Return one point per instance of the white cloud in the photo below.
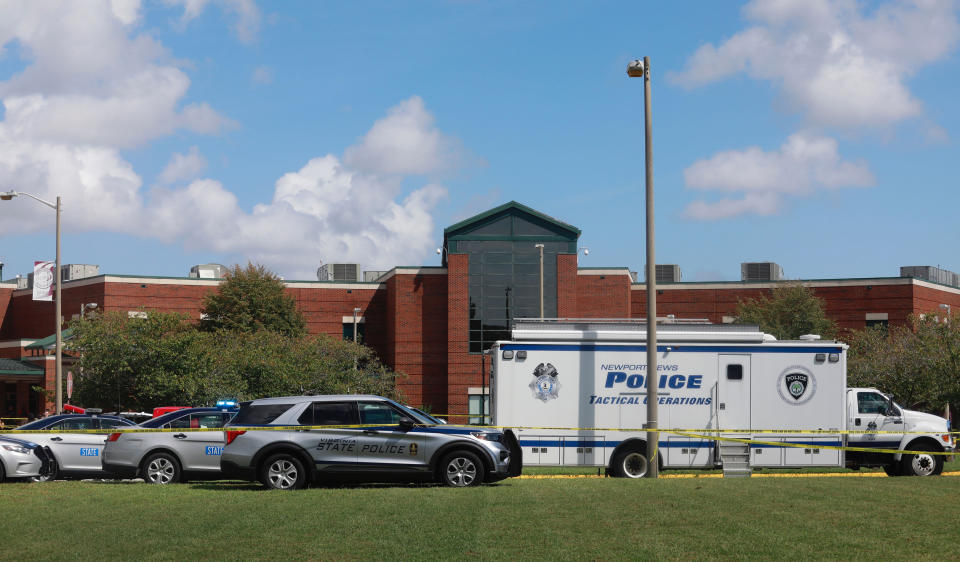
(834, 64)
(245, 12)
(404, 142)
(802, 165)
(262, 75)
(184, 167)
(91, 80)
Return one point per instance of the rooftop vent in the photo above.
(372, 276)
(208, 271)
(760, 271)
(78, 271)
(340, 272)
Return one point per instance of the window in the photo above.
(260, 415)
(329, 413)
(379, 412)
(74, 423)
(871, 403)
(734, 372)
(348, 330)
(479, 408)
(106, 423)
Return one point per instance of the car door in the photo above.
(332, 448)
(389, 447)
(199, 450)
(874, 412)
(78, 452)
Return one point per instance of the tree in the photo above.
(918, 363)
(791, 311)
(164, 360)
(252, 299)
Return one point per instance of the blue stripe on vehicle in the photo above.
(672, 348)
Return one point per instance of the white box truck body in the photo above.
(576, 392)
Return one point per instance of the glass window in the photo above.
(379, 412)
(259, 415)
(329, 413)
(74, 423)
(479, 408)
(108, 423)
(183, 422)
(871, 403)
(734, 372)
(348, 331)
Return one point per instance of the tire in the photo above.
(2, 474)
(461, 469)
(921, 464)
(630, 463)
(892, 469)
(52, 473)
(283, 471)
(161, 468)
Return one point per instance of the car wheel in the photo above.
(630, 463)
(921, 464)
(160, 468)
(461, 469)
(53, 472)
(283, 471)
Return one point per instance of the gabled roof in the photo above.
(513, 208)
(50, 341)
(15, 367)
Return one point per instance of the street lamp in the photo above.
(85, 307)
(641, 69)
(356, 311)
(6, 196)
(540, 247)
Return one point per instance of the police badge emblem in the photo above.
(796, 385)
(545, 385)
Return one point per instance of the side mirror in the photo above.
(406, 424)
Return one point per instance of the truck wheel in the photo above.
(922, 464)
(630, 463)
(283, 471)
(460, 469)
(160, 468)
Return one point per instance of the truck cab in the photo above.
(882, 429)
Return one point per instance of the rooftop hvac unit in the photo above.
(340, 272)
(208, 271)
(760, 271)
(78, 271)
(372, 276)
(668, 273)
(930, 273)
(24, 282)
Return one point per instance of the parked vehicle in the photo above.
(168, 457)
(585, 375)
(395, 444)
(22, 459)
(75, 455)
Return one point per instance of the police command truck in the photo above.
(787, 399)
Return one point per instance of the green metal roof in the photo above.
(50, 341)
(14, 367)
(511, 208)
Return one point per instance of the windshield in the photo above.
(417, 417)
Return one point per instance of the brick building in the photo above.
(432, 323)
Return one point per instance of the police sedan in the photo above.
(75, 455)
(21, 459)
(185, 451)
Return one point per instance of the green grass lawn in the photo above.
(758, 518)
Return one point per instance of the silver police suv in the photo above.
(394, 443)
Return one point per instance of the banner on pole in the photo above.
(43, 279)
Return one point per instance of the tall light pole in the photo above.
(638, 69)
(540, 247)
(6, 196)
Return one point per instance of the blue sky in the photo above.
(820, 135)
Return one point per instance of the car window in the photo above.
(260, 414)
(108, 423)
(379, 412)
(329, 413)
(213, 420)
(871, 402)
(73, 423)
